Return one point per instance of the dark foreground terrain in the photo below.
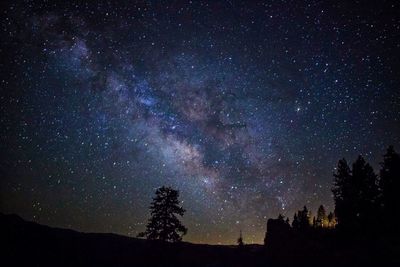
(29, 244)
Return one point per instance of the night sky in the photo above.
(244, 107)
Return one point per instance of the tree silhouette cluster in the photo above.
(280, 230)
(362, 198)
(366, 205)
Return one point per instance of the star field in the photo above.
(243, 107)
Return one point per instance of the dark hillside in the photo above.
(30, 244)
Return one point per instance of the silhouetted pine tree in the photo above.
(343, 194)
(295, 222)
(389, 185)
(163, 224)
(240, 240)
(322, 219)
(304, 218)
(365, 181)
(331, 220)
(301, 220)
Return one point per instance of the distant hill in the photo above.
(30, 244)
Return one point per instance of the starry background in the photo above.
(243, 107)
